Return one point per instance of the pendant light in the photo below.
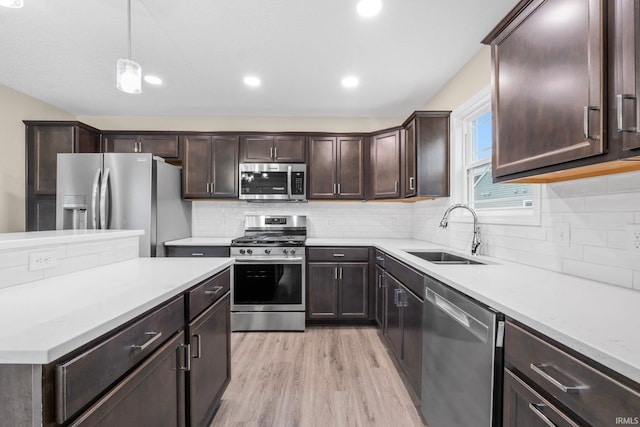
(12, 3)
(128, 71)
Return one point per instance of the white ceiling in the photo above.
(64, 52)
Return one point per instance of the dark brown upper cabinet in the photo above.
(210, 166)
(556, 80)
(385, 165)
(428, 131)
(44, 140)
(158, 143)
(336, 167)
(272, 148)
(627, 81)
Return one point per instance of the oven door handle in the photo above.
(261, 260)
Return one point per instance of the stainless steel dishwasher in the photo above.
(462, 360)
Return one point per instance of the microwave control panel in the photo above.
(297, 183)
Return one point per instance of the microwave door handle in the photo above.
(289, 181)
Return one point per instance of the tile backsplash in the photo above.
(70, 257)
(598, 214)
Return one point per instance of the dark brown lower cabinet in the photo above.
(404, 328)
(338, 290)
(152, 395)
(523, 406)
(210, 361)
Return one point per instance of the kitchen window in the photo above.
(471, 157)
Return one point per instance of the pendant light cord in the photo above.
(129, 24)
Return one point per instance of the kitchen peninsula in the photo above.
(83, 299)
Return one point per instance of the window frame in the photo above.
(461, 164)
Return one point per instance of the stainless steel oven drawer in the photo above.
(208, 292)
(338, 254)
(588, 392)
(80, 380)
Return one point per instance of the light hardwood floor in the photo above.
(322, 377)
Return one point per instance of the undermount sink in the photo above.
(439, 257)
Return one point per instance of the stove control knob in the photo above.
(267, 251)
(242, 251)
(285, 251)
(292, 251)
(249, 251)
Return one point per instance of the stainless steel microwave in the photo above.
(273, 181)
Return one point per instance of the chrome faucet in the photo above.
(476, 242)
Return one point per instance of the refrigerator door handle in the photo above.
(94, 197)
(104, 223)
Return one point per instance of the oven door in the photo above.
(265, 284)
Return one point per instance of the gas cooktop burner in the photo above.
(269, 241)
(271, 230)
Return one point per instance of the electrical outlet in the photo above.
(41, 260)
(633, 233)
(561, 234)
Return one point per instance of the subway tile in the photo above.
(611, 257)
(636, 280)
(569, 204)
(595, 185)
(78, 249)
(19, 274)
(620, 202)
(611, 275)
(70, 265)
(573, 251)
(589, 236)
(13, 258)
(617, 239)
(623, 182)
(546, 261)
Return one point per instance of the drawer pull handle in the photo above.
(338, 255)
(379, 258)
(538, 369)
(155, 336)
(216, 290)
(198, 347)
(536, 409)
(186, 351)
(197, 254)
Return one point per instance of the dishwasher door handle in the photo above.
(477, 328)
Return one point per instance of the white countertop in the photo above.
(598, 320)
(43, 320)
(200, 241)
(54, 237)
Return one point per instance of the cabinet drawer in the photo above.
(380, 258)
(208, 292)
(338, 254)
(81, 379)
(198, 251)
(591, 394)
(523, 406)
(406, 275)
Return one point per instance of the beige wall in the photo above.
(474, 76)
(14, 108)
(219, 124)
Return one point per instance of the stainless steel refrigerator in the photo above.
(122, 191)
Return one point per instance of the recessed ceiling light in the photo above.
(12, 3)
(252, 81)
(369, 8)
(350, 81)
(154, 80)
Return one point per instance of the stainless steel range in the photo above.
(268, 291)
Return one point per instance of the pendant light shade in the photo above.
(128, 71)
(12, 3)
(129, 76)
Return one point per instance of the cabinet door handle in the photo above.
(207, 190)
(135, 147)
(412, 183)
(587, 121)
(538, 369)
(396, 292)
(271, 152)
(155, 336)
(198, 346)
(341, 271)
(275, 153)
(619, 104)
(339, 191)
(335, 273)
(395, 187)
(186, 354)
(383, 283)
(214, 291)
(535, 408)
